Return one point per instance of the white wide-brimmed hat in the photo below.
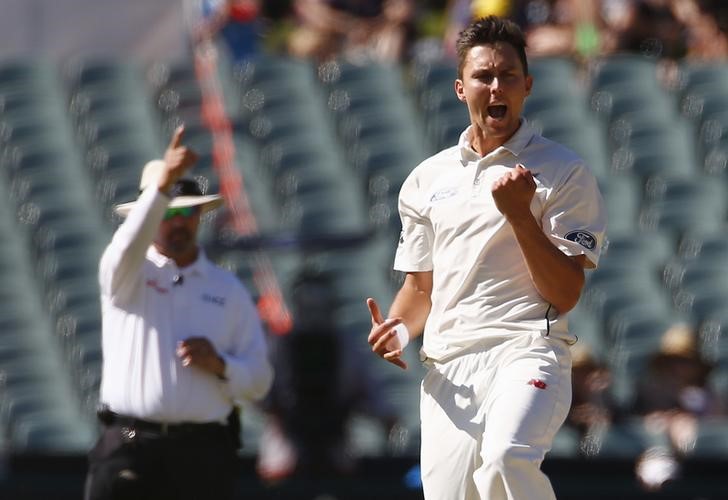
(185, 192)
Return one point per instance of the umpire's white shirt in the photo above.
(451, 226)
(145, 315)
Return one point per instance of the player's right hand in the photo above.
(382, 333)
(178, 158)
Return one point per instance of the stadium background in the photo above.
(90, 90)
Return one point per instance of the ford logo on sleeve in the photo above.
(583, 238)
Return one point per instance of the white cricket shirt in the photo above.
(451, 226)
(145, 314)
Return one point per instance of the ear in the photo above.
(529, 84)
(459, 90)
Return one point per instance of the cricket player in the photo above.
(496, 234)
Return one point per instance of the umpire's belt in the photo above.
(160, 428)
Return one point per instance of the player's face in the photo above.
(494, 86)
(177, 235)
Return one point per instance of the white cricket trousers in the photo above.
(489, 417)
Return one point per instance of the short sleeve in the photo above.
(574, 217)
(414, 250)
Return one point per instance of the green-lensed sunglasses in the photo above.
(183, 211)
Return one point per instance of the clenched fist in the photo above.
(513, 192)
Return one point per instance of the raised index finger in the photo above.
(177, 137)
(374, 311)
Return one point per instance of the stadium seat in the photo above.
(624, 68)
(622, 199)
(713, 343)
(113, 72)
(692, 74)
(546, 69)
(585, 138)
(715, 159)
(702, 302)
(712, 439)
(704, 100)
(41, 433)
(677, 203)
(695, 273)
(699, 245)
(587, 329)
(649, 156)
(610, 103)
(627, 440)
(437, 74)
(269, 69)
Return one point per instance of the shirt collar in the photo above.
(515, 145)
(199, 267)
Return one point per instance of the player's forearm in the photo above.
(557, 277)
(413, 302)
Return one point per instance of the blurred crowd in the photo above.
(399, 30)
(674, 401)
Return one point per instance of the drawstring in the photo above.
(548, 321)
(548, 327)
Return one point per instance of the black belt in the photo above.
(109, 417)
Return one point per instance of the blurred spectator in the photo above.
(592, 408)
(236, 22)
(377, 30)
(562, 27)
(663, 29)
(706, 25)
(647, 27)
(460, 13)
(673, 397)
(552, 27)
(320, 384)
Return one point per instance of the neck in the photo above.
(182, 258)
(483, 144)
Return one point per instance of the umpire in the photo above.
(181, 344)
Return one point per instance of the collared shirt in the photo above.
(451, 226)
(147, 310)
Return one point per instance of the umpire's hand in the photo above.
(199, 352)
(178, 158)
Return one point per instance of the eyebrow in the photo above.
(496, 69)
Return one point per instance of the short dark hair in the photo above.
(487, 31)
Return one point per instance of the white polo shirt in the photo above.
(145, 314)
(451, 226)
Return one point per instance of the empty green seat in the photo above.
(624, 68)
(712, 439)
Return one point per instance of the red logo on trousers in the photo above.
(537, 383)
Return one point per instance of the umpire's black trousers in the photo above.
(141, 460)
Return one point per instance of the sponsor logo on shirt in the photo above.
(152, 283)
(583, 238)
(443, 194)
(213, 299)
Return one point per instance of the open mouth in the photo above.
(497, 111)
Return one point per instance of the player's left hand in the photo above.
(199, 352)
(382, 335)
(513, 192)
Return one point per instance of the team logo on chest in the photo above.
(443, 194)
